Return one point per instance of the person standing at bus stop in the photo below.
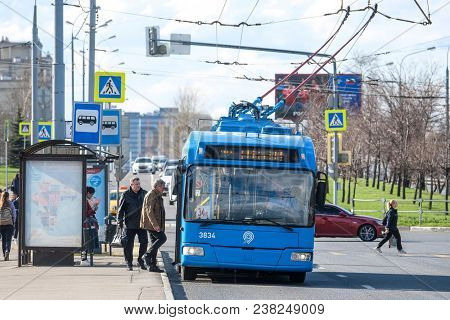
(130, 207)
(153, 219)
(391, 227)
(6, 224)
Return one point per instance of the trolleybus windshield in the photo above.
(250, 195)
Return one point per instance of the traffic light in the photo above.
(154, 47)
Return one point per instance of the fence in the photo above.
(382, 205)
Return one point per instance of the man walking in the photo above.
(130, 207)
(153, 219)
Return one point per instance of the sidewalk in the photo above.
(108, 279)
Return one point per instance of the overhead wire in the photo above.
(217, 41)
(408, 29)
(243, 23)
(362, 29)
(424, 14)
(354, 42)
(311, 56)
(242, 29)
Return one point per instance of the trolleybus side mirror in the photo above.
(321, 189)
(176, 179)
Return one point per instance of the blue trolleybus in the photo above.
(246, 193)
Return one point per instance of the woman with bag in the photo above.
(391, 227)
(90, 228)
(6, 224)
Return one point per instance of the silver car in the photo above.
(143, 164)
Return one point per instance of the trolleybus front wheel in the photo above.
(298, 277)
(188, 273)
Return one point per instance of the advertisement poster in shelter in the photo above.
(54, 199)
(96, 178)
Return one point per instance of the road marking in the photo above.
(442, 255)
(337, 253)
(316, 266)
(367, 287)
(341, 276)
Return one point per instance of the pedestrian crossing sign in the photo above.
(336, 120)
(45, 131)
(109, 87)
(25, 129)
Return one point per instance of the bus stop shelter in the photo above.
(53, 200)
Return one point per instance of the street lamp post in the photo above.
(447, 146)
(400, 101)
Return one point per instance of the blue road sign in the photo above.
(111, 127)
(109, 87)
(86, 120)
(44, 131)
(336, 120)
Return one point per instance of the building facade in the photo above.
(15, 84)
(149, 132)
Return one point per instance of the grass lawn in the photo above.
(430, 218)
(11, 174)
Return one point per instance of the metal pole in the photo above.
(335, 139)
(35, 112)
(92, 13)
(24, 142)
(73, 75)
(118, 173)
(58, 117)
(84, 68)
(446, 136)
(230, 46)
(6, 152)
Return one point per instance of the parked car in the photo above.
(334, 221)
(159, 162)
(167, 177)
(143, 164)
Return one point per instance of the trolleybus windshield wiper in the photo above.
(265, 219)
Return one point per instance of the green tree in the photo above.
(16, 140)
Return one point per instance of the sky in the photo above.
(300, 25)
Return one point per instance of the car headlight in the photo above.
(193, 251)
(300, 256)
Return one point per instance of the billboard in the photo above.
(96, 178)
(349, 90)
(53, 209)
(316, 90)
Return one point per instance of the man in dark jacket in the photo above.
(391, 227)
(130, 206)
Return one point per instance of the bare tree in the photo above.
(186, 120)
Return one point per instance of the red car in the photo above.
(334, 221)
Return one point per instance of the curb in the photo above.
(433, 229)
(165, 280)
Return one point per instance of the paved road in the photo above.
(344, 269)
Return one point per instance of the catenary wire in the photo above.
(242, 29)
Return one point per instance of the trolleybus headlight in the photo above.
(300, 256)
(193, 251)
